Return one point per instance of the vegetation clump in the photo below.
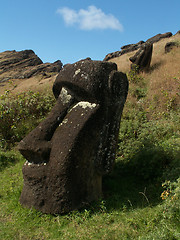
(21, 113)
(141, 196)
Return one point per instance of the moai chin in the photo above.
(70, 151)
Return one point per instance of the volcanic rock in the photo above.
(132, 47)
(158, 37)
(142, 59)
(170, 45)
(125, 49)
(68, 152)
(25, 64)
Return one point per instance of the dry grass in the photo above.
(22, 85)
(123, 62)
(163, 79)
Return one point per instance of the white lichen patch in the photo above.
(27, 163)
(76, 72)
(85, 105)
(63, 122)
(64, 96)
(83, 76)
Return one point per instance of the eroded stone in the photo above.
(142, 59)
(70, 151)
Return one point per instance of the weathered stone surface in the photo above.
(124, 49)
(24, 64)
(112, 55)
(68, 152)
(170, 45)
(12, 59)
(142, 59)
(158, 37)
(132, 47)
(43, 69)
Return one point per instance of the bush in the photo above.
(149, 149)
(171, 197)
(8, 158)
(20, 113)
(133, 75)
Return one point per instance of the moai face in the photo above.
(68, 152)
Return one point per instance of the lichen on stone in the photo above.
(63, 122)
(85, 105)
(76, 72)
(64, 96)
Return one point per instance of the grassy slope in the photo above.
(163, 81)
(21, 85)
(148, 155)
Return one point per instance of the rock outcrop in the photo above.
(25, 64)
(68, 153)
(158, 37)
(132, 47)
(142, 59)
(124, 49)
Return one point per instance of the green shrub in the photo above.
(139, 93)
(8, 158)
(134, 76)
(20, 113)
(150, 149)
(171, 197)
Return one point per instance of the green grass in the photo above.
(141, 196)
(130, 209)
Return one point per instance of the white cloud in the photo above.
(92, 18)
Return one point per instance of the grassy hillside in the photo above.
(142, 196)
(161, 84)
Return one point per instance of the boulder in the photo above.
(132, 47)
(112, 55)
(170, 45)
(158, 37)
(142, 59)
(44, 69)
(70, 151)
(124, 49)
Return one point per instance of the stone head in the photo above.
(70, 151)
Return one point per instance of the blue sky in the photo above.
(71, 30)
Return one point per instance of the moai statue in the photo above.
(70, 151)
(142, 59)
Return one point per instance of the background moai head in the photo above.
(142, 59)
(68, 152)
